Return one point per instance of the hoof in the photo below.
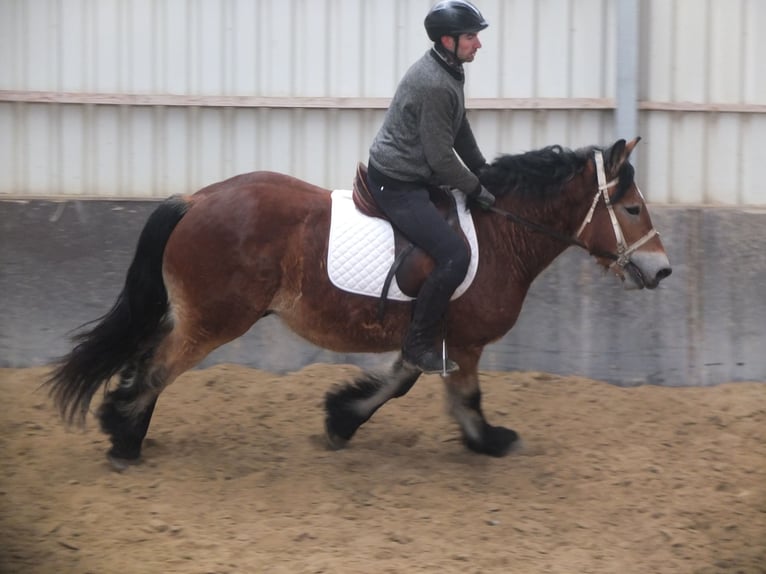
(334, 441)
(341, 422)
(121, 457)
(496, 441)
(338, 431)
(119, 464)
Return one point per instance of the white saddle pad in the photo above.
(361, 249)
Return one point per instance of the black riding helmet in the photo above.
(452, 18)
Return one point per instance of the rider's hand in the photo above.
(482, 197)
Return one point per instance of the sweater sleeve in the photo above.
(467, 148)
(438, 142)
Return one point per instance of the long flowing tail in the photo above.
(128, 330)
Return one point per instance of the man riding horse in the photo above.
(423, 133)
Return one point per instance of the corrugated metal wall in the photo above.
(704, 95)
(144, 98)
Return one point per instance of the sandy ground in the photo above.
(236, 479)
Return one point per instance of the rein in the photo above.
(622, 257)
(568, 239)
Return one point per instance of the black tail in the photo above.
(128, 330)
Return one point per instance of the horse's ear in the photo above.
(618, 154)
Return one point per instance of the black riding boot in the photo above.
(419, 348)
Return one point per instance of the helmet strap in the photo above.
(453, 53)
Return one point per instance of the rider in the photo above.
(424, 132)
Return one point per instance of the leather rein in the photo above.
(622, 257)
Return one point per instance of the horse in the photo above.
(209, 265)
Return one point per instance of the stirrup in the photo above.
(427, 366)
(448, 365)
(430, 363)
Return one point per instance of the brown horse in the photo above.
(209, 265)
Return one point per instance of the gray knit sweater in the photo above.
(425, 126)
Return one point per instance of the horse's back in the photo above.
(259, 202)
(261, 182)
(247, 227)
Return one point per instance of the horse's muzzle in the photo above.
(646, 270)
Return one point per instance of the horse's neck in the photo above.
(532, 251)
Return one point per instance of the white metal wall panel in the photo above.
(727, 53)
(239, 47)
(690, 72)
(753, 162)
(722, 169)
(155, 151)
(711, 55)
(592, 49)
(754, 62)
(513, 131)
(552, 48)
(547, 48)
(658, 33)
(195, 52)
(518, 22)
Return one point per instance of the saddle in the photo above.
(411, 264)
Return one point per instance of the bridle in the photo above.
(623, 249)
(622, 257)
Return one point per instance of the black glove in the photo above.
(483, 198)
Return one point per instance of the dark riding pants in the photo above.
(410, 210)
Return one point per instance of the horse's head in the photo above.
(618, 222)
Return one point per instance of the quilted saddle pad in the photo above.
(361, 249)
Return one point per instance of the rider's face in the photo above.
(467, 46)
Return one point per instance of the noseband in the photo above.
(622, 257)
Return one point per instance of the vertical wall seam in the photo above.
(740, 184)
(626, 114)
(536, 53)
(570, 66)
(707, 192)
(673, 116)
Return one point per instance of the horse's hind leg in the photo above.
(349, 406)
(126, 411)
(120, 418)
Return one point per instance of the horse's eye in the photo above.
(633, 209)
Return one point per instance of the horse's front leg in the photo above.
(464, 398)
(351, 405)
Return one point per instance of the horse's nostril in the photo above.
(662, 273)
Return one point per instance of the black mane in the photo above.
(541, 174)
